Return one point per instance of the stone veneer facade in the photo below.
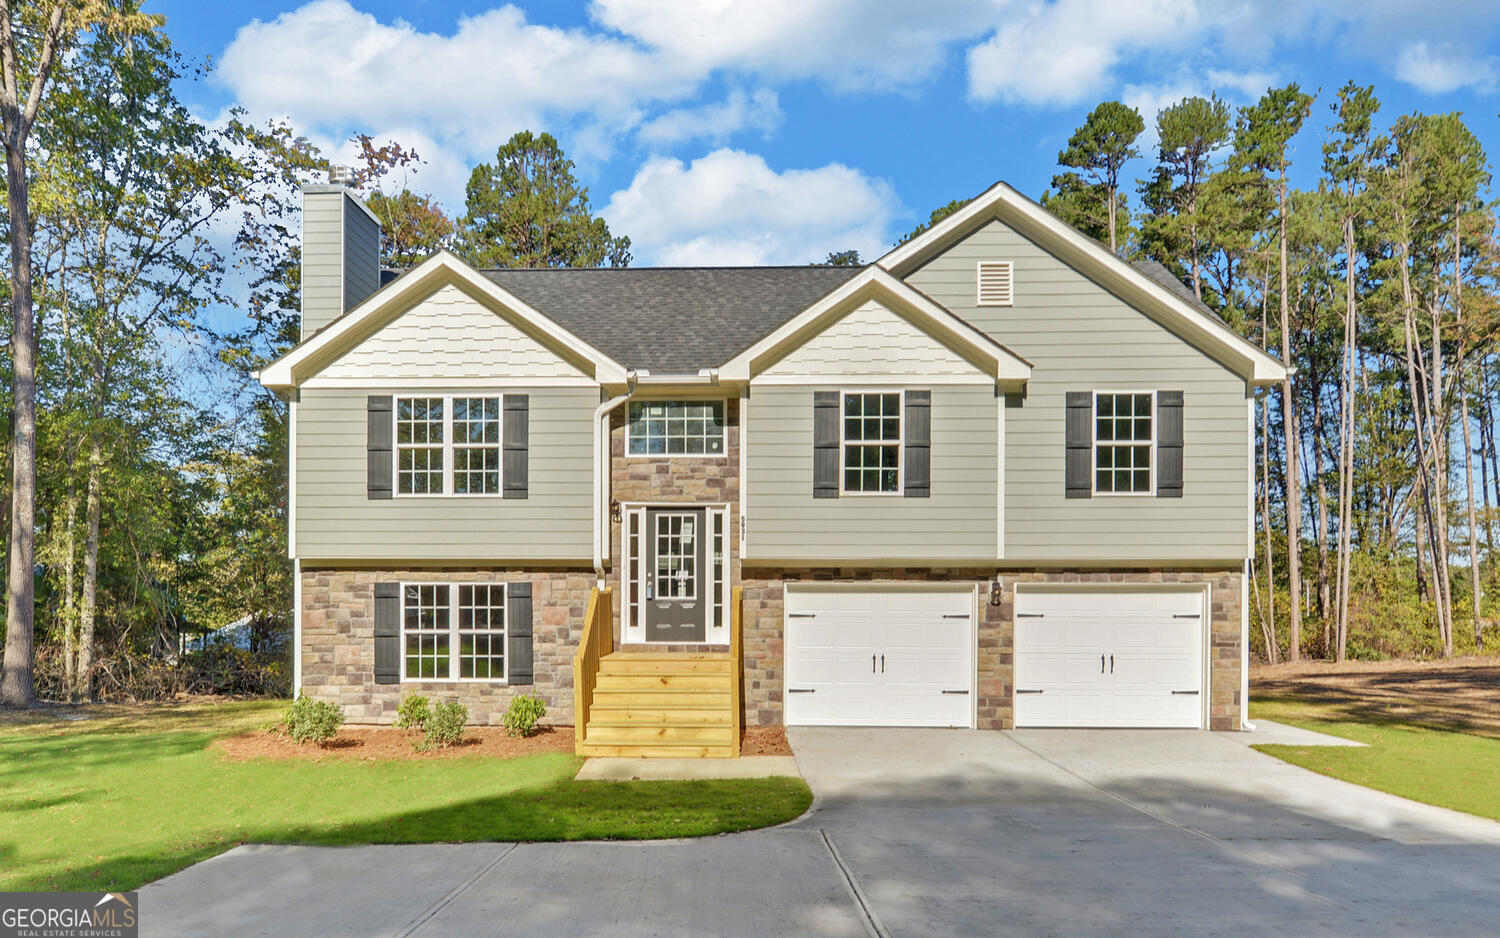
(338, 611)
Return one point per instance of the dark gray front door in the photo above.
(676, 552)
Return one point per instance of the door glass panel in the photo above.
(676, 557)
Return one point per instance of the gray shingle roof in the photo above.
(1158, 272)
(671, 320)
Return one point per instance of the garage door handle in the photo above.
(955, 615)
(1101, 664)
(1184, 693)
(1029, 615)
(801, 615)
(964, 692)
(1187, 615)
(1021, 690)
(801, 690)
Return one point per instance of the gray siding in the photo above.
(1078, 336)
(958, 521)
(335, 521)
(322, 256)
(361, 254)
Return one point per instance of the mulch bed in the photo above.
(764, 741)
(386, 743)
(1459, 693)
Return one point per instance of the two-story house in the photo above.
(999, 477)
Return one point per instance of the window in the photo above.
(454, 631)
(1123, 437)
(676, 428)
(447, 445)
(872, 443)
(996, 286)
(676, 556)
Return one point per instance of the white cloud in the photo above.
(1246, 85)
(729, 207)
(1061, 53)
(759, 111)
(1440, 68)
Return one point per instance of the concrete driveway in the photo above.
(921, 832)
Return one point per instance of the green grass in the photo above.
(1441, 767)
(115, 802)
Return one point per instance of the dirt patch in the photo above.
(1458, 694)
(764, 741)
(386, 743)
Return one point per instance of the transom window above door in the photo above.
(1123, 438)
(676, 428)
(872, 443)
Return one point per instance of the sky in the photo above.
(777, 131)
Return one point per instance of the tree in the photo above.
(1263, 140)
(33, 39)
(1081, 205)
(1100, 149)
(849, 258)
(938, 214)
(1190, 133)
(412, 227)
(527, 210)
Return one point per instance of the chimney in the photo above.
(340, 251)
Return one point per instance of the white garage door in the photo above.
(879, 658)
(1109, 658)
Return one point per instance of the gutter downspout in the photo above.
(601, 474)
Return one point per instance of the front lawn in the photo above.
(132, 794)
(1440, 756)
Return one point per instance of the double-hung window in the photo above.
(447, 445)
(676, 428)
(453, 631)
(872, 443)
(1124, 435)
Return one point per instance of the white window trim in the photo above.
(1094, 447)
(448, 447)
(454, 634)
(633, 615)
(900, 442)
(723, 403)
(979, 299)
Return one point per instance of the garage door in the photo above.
(879, 658)
(1109, 658)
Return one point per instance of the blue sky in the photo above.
(778, 130)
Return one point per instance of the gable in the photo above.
(872, 340)
(449, 334)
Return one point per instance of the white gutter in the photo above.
(1245, 723)
(601, 473)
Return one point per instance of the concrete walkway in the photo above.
(625, 770)
(921, 832)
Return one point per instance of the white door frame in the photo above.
(1205, 638)
(892, 586)
(632, 615)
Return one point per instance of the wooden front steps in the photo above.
(663, 705)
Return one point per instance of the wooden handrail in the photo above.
(596, 642)
(737, 661)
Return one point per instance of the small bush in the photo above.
(444, 726)
(413, 712)
(524, 712)
(312, 721)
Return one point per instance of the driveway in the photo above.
(921, 832)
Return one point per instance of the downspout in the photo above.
(601, 473)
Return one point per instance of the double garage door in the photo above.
(905, 657)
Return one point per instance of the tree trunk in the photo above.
(1346, 449)
(1273, 651)
(1289, 430)
(70, 605)
(1437, 430)
(1476, 595)
(1109, 191)
(90, 564)
(1320, 489)
(17, 686)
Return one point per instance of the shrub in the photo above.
(413, 712)
(524, 712)
(444, 725)
(312, 721)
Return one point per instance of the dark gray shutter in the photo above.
(387, 632)
(825, 444)
(918, 447)
(517, 432)
(380, 428)
(1169, 444)
(1080, 436)
(518, 632)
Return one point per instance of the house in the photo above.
(997, 478)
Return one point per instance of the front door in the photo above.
(676, 552)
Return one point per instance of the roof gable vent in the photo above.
(996, 283)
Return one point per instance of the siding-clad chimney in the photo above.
(340, 254)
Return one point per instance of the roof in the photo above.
(1158, 271)
(671, 320)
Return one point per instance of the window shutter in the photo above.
(1169, 444)
(825, 444)
(996, 283)
(518, 632)
(918, 432)
(380, 429)
(1080, 444)
(387, 632)
(517, 433)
